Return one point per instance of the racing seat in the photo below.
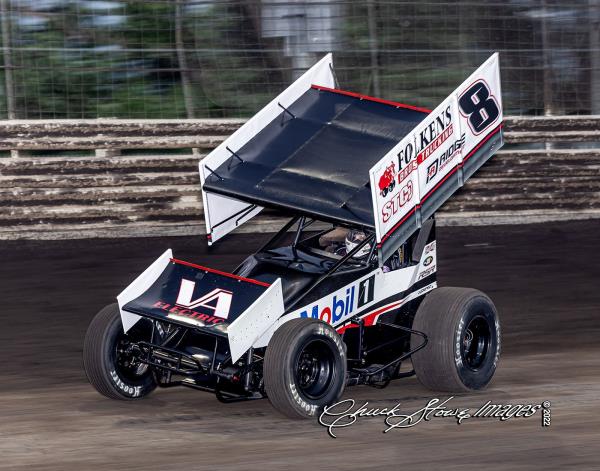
(296, 268)
(292, 283)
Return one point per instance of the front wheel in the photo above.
(463, 345)
(108, 361)
(304, 368)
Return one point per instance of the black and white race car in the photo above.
(346, 292)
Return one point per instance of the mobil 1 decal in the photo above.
(366, 291)
(441, 142)
(341, 305)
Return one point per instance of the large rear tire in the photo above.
(463, 348)
(108, 366)
(304, 368)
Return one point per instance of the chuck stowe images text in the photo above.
(346, 413)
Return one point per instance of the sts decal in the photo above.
(397, 201)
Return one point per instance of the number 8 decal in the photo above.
(479, 106)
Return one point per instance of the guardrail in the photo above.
(552, 174)
(57, 134)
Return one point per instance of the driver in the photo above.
(333, 241)
(354, 238)
(342, 241)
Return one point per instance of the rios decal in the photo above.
(440, 163)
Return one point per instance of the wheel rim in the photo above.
(315, 368)
(475, 342)
(125, 362)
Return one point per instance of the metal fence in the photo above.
(187, 58)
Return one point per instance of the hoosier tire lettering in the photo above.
(133, 391)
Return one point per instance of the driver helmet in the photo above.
(353, 238)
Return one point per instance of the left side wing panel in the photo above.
(223, 214)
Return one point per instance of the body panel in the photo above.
(139, 286)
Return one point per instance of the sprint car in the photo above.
(345, 293)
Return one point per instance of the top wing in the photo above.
(315, 159)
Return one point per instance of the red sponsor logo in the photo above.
(406, 171)
(437, 142)
(386, 181)
(397, 201)
(186, 312)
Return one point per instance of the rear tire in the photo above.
(304, 368)
(463, 348)
(105, 367)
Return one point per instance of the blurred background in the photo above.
(86, 204)
(219, 59)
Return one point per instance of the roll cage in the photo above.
(302, 256)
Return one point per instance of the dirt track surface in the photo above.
(543, 279)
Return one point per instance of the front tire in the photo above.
(463, 347)
(304, 368)
(109, 368)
